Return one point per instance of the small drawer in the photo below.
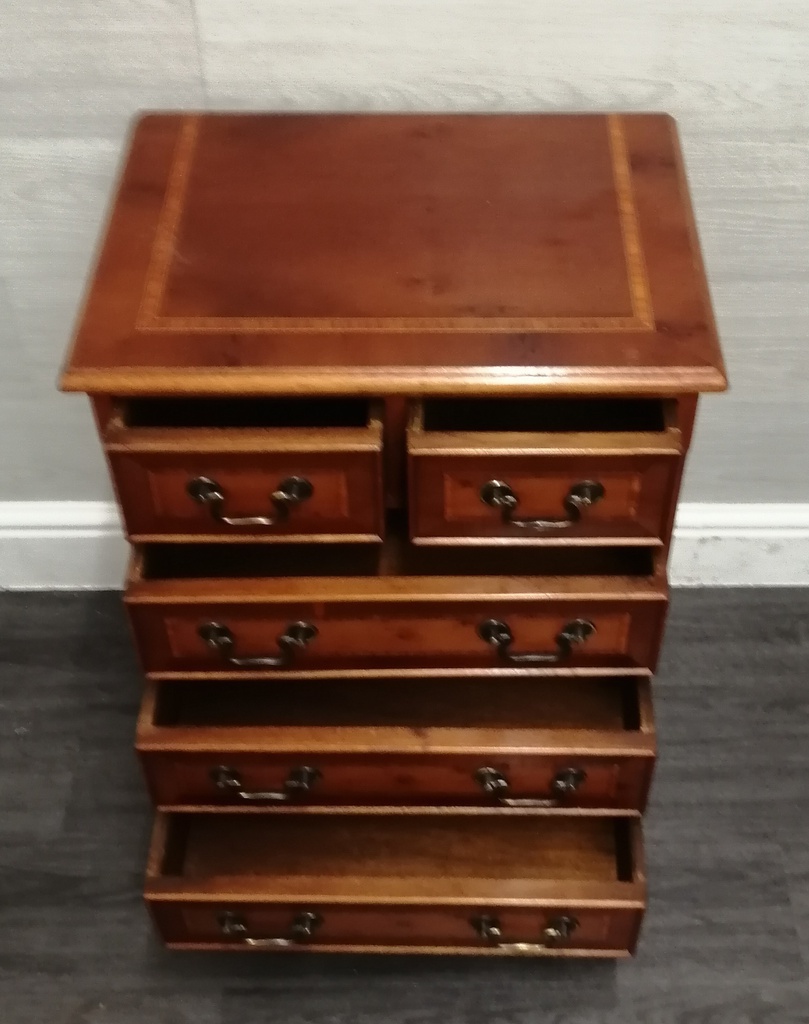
(346, 610)
(257, 469)
(588, 744)
(542, 471)
(496, 883)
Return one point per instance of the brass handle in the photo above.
(496, 784)
(498, 494)
(294, 638)
(300, 780)
(302, 928)
(558, 929)
(289, 492)
(499, 635)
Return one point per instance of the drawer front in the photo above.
(234, 778)
(257, 496)
(541, 498)
(487, 930)
(331, 637)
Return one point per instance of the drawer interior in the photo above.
(393, 558)
(545, 415)
(244, 412)
(398, 848)
(608, 704)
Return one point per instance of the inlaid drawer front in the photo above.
(542, 470)
(248, 477)
(237, 625)
(530, 744)
(500, 884)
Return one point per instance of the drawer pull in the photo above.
(302, 928)
(498, 494)
(496, 784)
(499, 635)
(300, 780)
(294, 638)
(558, 929)
(291, 491)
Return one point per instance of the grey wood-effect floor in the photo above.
(726, 937)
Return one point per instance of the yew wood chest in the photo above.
(396, 410)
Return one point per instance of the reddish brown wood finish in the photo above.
(152, 467)
(399, 254)
(287, 295)
(385, 753)
(399, 881)
(395, 623)
(448, 470)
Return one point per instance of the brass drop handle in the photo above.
(294, 639)
(301, 929)
(496, 784)
(291, 491)
(498, 494)
(558, 929)
(299, 781)
(499, 635)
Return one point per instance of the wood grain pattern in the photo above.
(453, 311)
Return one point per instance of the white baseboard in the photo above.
(78, 545)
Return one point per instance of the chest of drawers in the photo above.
(396, 410)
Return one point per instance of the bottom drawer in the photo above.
(498, 883)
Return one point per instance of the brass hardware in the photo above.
(300, 780)
(558, 929)
(302, 929)
(496, 784)
(294, 638)
(499, 635)
(498, 494)
(291, 491)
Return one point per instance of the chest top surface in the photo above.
(264, 254)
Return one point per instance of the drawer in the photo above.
(266, 470)
(542, 471)
(587, 744)
(500, 883)
(228, 612)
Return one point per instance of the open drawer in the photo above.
(585, 744)
(394, 609)
(494, 883)
(542, 470)
(244, 468)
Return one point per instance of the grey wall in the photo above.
(734, 72)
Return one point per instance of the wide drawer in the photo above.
(542, 471)
(500, 884)
(264, 470)
(393, 609)
(585, 744)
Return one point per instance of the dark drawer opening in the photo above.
(545, 415)
(245, 412)
(608, 704)
(251, 561)
(403, 847)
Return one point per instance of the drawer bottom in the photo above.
(503, 884)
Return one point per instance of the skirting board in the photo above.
(78, 545)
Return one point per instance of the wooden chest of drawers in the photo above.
(396, 410)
